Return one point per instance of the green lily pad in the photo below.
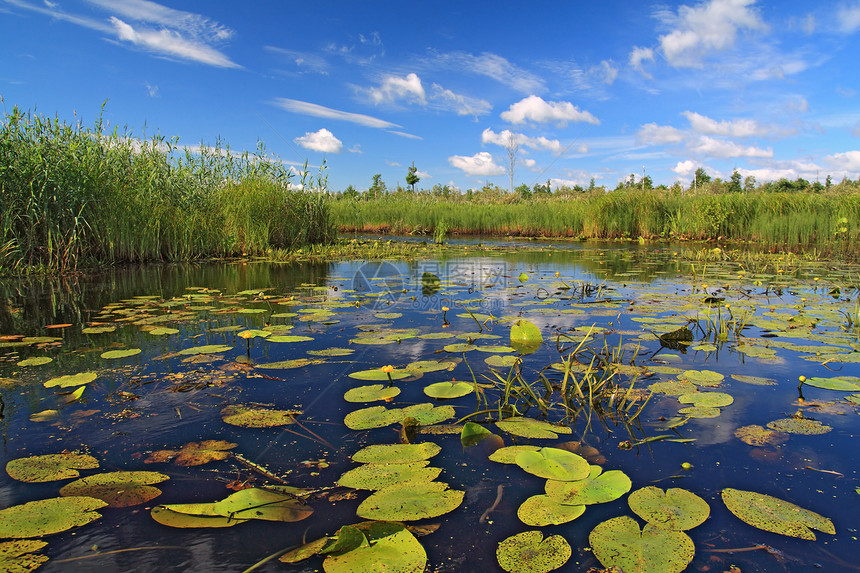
(542, 510)
(707, 399)
(755, 435)
(112, 354)
(20, 556)
(673, 387)
(449, 389)
(98, 329)
(35, 361)
(50, 467)
(275, 503)
(410, 501)
(377, 375)
(459, 347)
(245, 417)
(163, 331)
(396, 453)
(118, 489)
(804, 426)
(380, 416)
(384, 547)
(430, 365)
(700, 412)
(205, 349)
(371, 393)
(508, 454)
(71, 380)
(595, 487)
(378, 476)
(497, 361)
(702, 377)
(841, 383)
(388, 315)
(289, 338)
(172, 518)
(525, 336)
(754, 380)
(294, 363)
(193, 453)
(45, 416)
(676, 509)
(529, 552)
(531, 428)
(757, 351)
(427, 414)
(331, 352)
(554, 464)
(775, 515)
(48, 516)
(473, 433)
(618, 542)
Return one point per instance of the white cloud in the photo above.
(848, 18)
(463, 105)
(151, 89)
(480, 164)
(708, 27)
(639, 55)
(306, 62)
(503, 138)
(307, 108)
(653, 134)
(323, 141)
(534, 108)
(489, 65)
(847, 161)
(171, 43)
(404, 134)
(685, 168)
(605, 71)
(720, 148)
(394, 88)
(737, 128)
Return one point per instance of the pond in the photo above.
(628, 371)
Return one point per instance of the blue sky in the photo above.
(584, 89)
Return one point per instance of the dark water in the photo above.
(159, 399)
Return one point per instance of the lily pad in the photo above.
(396, 453)
(804, 426)
(275, 503)
(163, 331)
(531, 428)
(113, 354)
(473, 433)
(707, 399)
(676, 509)
(71, 380)
(20, 556)
(50, 467)
(173, 518)
(525, 336)
(371, 393)
(775, 515)
(754, 380)
(331, 352)
(595, 487)
(384, 547)
(700, 412)
(497, 361)
(35, 361)
(542, 510)
(193, 453)
(430, 365)
(449, 389)
(48, 516)
(410, 501)
(118, 489)
(205, 349)
(618, 542)
(842, 383)
(702, 377)
(378, 476)
(508, 454)
(246, 417)
(529, 552)
(377, 375)
(289, 338)
(553, 464)
(755, 435)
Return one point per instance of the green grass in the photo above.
(73, 196)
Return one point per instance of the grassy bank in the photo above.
(827, 222)
(72, 196)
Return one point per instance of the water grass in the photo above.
(72, 195)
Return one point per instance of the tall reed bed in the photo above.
(827, 222)
(73, 195)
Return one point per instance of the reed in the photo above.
(73, 195)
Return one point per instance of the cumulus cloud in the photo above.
(394, 88)
(323, 141)
(316, 110)
(653, 134)
(685, 168)
(534, 108)
(721, 148)
(705, 28)
(504, 137)
(639, 55)
(480, 164)
(847, 161)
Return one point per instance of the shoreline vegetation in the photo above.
(74, 197)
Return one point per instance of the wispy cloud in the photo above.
(848, 18)
(172, 44)
(307, 108)
(505, 137)
(488, 65)
(305, 62)
(410, 89)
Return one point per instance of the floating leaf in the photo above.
(595, 487)
(531, 428)
(619, 543)
(430, 365)
(98, 329)
(331, 352)
(754, 380)
(289, 338)
(501, 361)
(287, 364)
(50, 467)
(525, 336)
(758, 436)
(163, 331)
(676, 509)
(245, 417)
(112, 354)
(553, 464)
(842, 383)
(372, 417)
(193, 453)
(35, 361)
(804, 426)
(449, 389)
(205, 349)
(673, 387)
(378, 476)
(508, 454)
(20, 556)
(47, 516)
(529, 552)
(172, 518)
(473, 433)
(377, 375)
(542, 510)
(700, 412)
(775, 515)
(410, 501)
(275, 503)
(707, 399)
(702, 377)
(396, 453)
(44, 416)
(371, 393)
(460, 347)
(71, 380)
(384, 547)
(118, 489)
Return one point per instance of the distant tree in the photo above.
(412, 177)
(512, 148)
(828, 183)
(735, 185)
(523, 191)
(749, 183)
(542, 189)
(701, 177)
(350, 193)
(647, 183)
(591, 184)
(377, 188)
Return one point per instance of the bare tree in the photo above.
(512, 148)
